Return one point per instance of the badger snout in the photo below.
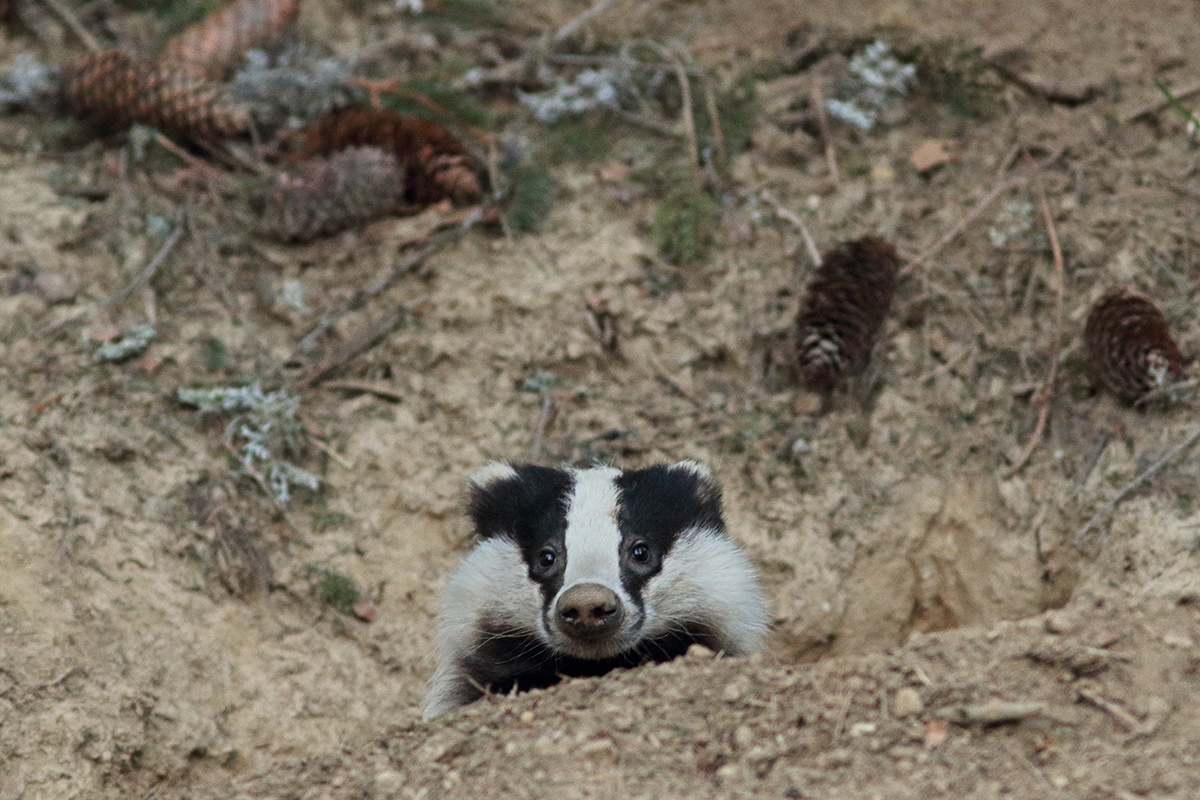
(589, 612)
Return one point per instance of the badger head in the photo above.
(582, 570)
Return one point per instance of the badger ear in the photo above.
(490, 473)
(707, 487)
(507, 498)
(703, 473)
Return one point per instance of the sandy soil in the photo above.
(938, 631)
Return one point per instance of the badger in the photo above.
(580, 571)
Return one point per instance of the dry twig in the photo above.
(147, 272)
(1045, 393)
(685, 88)
(1143, 476)
(818, 102)
(573, 26)
(71, 21)
(543, 424)
(787, 215)
(993, 712)
(989, 198)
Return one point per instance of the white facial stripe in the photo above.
(707, 580)
(593, 540)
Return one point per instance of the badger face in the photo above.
(581, 571)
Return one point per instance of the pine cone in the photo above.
(116, 89)
(437, 166)
(843, 310)
(323, 196)
(1129, 347)
(214, 46)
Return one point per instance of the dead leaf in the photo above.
(933, 153)
(935, 734)
(613, 172)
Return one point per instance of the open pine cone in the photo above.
(437, 166)
(1129, 347)
(325, 195)
(845, 305)
(215, 45)
(115, 89)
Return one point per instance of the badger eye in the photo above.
(640, 553)
(545, 559)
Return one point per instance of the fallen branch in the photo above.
(1145, 475)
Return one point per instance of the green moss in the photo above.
(955, 74)
(684, 224)
(466, 13)
(457, 106)
(578, 141)
(338, 592)
(737, 109)
(531, 197)
(175, 15)
(326, 518)
(215, 354)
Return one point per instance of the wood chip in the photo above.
(993, 712)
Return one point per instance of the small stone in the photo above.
(1058, 623)
(743, 737)
(388, 783)
(53, 287)
(907, 703)
(526, 717)
(861, 729)
(833, 759)
(699, 651)
(1180, 640)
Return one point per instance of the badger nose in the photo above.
(589, 611)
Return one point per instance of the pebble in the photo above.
(907, 703)
(1058, 623)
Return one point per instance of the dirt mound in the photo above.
(1082, 702)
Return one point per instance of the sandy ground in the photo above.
(937, 630)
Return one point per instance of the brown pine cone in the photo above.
(323, 196)
(115, 89)
(1129, 347)
(843, 310)
(437, 166)
(215, 45)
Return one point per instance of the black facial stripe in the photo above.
(505, 659)
(531, 509)
(658, 504)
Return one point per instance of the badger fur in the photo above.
(580, 571)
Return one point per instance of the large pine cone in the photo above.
(215, 45)
(1129, 347)
(115, 89)
(437, 166)
(323, 196)
(843, 310)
